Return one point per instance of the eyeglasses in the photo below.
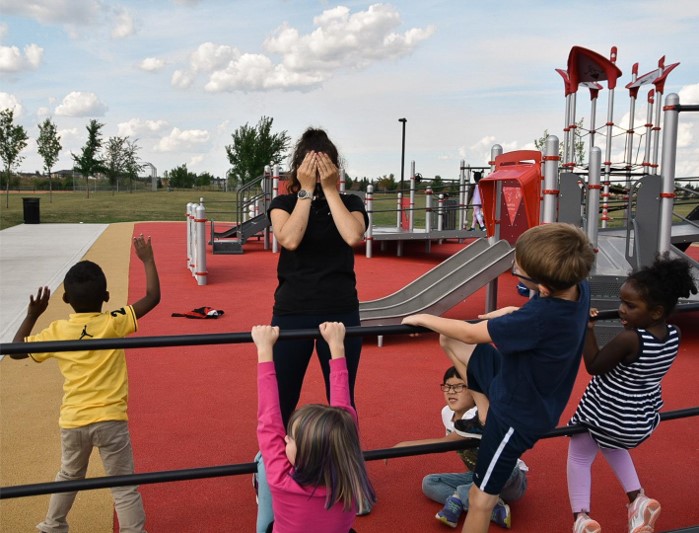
(452, 388)
(515, 272)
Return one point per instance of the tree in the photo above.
(13, 139)
(89, 162)
(114, 159)
(49, 143)
(204, 179)
(540, 144)
(253, 148)
(132, 162)
(122, 160)
(181, 178)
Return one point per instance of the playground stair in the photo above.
(444, 286)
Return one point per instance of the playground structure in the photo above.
(525, 188)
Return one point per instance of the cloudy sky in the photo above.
(181, 75)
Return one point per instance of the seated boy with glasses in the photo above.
(451, 489)
(520, 363)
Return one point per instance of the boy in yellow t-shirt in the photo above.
(93, 410)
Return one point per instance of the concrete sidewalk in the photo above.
(34, 255)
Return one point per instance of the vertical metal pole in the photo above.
(571, 133)
(190, 254)
(607, 158)
(491, 294)
(593, 189)
(402, 154)
(411, 204)
(369, 211)
(550, 191)
(200, 271)
(463, 196)
(399, 210)
(428, 210)
(656, 133)
(667, 195)
(275, 193)
(629, 132)
(649, 129)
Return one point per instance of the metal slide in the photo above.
(443, 287)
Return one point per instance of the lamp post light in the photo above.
(402, 154)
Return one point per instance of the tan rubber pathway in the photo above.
(30, 397)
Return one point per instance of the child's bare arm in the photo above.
(623, 347)
(264, 338)
(144, 251)
(35, 309)
(455, 329)
(498, 312)
(334, 335)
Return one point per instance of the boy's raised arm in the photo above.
(144, 251)
(455, 329)
(34, 311)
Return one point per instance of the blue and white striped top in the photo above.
(621, 408)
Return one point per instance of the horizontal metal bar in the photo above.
(232, 338)
(166, 476)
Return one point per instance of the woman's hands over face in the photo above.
(318, 165)
(329, 173)
(307, 172)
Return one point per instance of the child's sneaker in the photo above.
(470, 428)
(643, 513)
(585, 524)
(501, 515)
(451, 512)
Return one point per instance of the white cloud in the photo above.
(3, 31)
(54, 11)
(689, 94)
(123, 25)
(79, 104)
(151, 64)
(182, 79)
(137, 127)
(72, 14)
(12, 60)
(341, 40)
(9, 101)
(182, 140)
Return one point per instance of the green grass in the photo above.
(105, 207)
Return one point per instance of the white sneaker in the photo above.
(643, 513)
(585, 524)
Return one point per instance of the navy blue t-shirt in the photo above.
(318, 277)
(541, 346)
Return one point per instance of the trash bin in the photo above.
(31, 210)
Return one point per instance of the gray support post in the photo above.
(655, 135)
(608, 157)
(593, 189)
(275, 193)
(550, 192)
(463, 195)
(369, 201)
(668, 170)
(411, 204)
(649, 129)
(491, 293)
(571, 133)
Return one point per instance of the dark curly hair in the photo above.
(664, 282)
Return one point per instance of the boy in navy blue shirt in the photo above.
(522, 383)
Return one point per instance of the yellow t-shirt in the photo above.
(96, 383)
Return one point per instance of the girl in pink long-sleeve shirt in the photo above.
(316, 471)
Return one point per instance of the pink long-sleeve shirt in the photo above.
(297, 509)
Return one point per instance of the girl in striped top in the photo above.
(620, 406)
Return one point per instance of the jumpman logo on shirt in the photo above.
(84, 333)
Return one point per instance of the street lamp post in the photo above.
(402, 154)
